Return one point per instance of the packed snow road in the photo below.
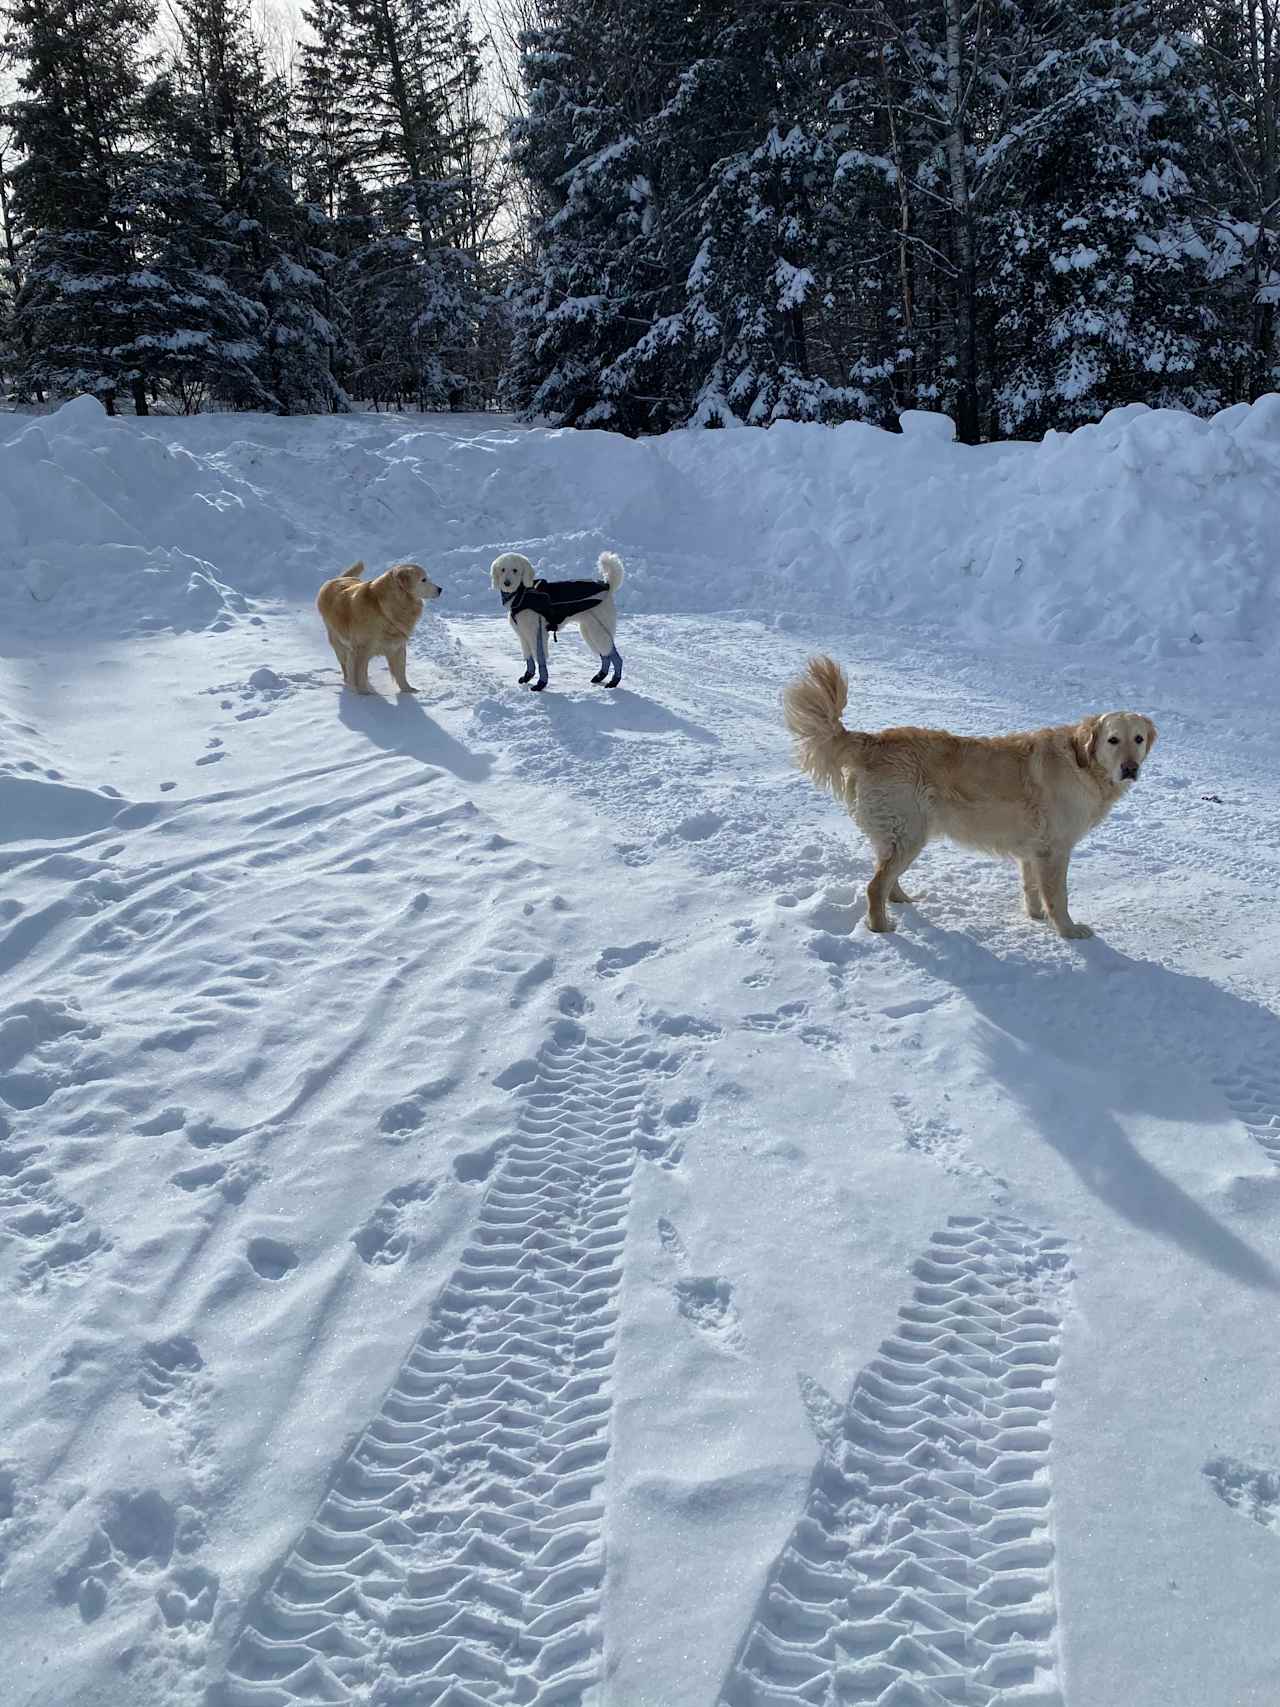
(460, 1153)
(481, 1220)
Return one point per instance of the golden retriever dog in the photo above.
(374, 619)
(1027, 797)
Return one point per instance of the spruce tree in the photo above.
(75, 126)
(1099, 282)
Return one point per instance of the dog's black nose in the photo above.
(1129, 773)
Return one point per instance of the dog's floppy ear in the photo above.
(526, 574)
(493, 573)
(1084, 738)
(1152, 733)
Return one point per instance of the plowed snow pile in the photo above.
(1153, 531)
(483, 1223)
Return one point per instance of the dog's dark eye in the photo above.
(1138, 739)
(1113, 740)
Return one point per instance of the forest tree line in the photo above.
(640, 215)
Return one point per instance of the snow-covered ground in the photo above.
(481, 1221)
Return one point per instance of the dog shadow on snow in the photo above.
(577, 719)
(401, 725)
(1081, 1043)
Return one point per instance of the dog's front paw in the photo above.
(536, 687)
(885, 926)
(1073, 930)
(407, 687)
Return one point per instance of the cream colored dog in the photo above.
(374, 619)
(1030, 797)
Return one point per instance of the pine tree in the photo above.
(195, 335)
(608, 265)
(335, 136)
(75, 126)
(759, 290)
(284, 240)
(1100, 282)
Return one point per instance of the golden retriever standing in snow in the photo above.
(374, 619)
(1029, 797)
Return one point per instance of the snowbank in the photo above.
(1152, 531)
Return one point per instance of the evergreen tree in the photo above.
(195, 335)
(606, 286)
(335, 138)
(1099, 280)
(75, 126)
(284, 242)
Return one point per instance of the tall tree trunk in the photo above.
(389, 40)
(965, 343)
(6, 229)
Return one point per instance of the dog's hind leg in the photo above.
(339, 652)
(897, 831)
(599, 639)
(614, 658)
(891, 862)
(541, 653)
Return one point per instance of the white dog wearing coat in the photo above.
(535, 606)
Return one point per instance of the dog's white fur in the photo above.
(598, 626)
(1030, 796)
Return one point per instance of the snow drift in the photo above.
(1152, 531)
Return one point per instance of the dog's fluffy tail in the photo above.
(353, 574)
(610, 566)
(824, 749)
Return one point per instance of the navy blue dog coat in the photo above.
(556, 601)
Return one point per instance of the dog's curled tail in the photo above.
(610, 566)
(824, 749)
(353, 574)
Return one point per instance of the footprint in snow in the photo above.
(1251, 1491)
(615, 960)
(704, 1300)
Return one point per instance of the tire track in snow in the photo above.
(1253, 1095)
(921, 1571)
(458, 1557)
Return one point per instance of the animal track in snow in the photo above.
(704, 1300)
(922, 1567)
(271, 1259)
(1246, 1489)
(174, 1384)
(615, 960)
(459, 1556)
(134, 1537)
(16, 1506)
(59, 1242)
(387, 1235)
(168, 1368)
(788, 1018)
(943, 1142)
(188, 1598)
(42, 1050)
(402, 1119)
